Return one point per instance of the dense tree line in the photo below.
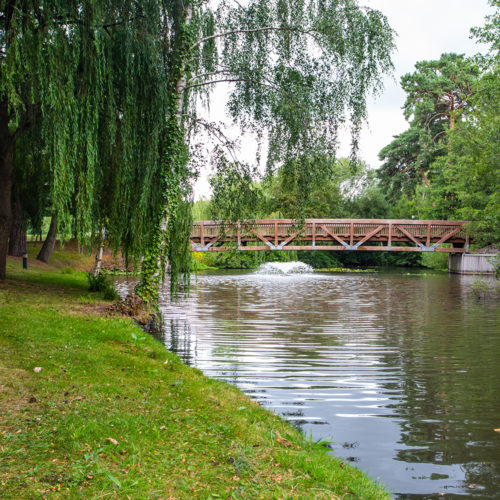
(446, 165)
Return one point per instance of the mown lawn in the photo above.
(113, 414)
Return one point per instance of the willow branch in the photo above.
(254, 30)
(205, 75)
(65, 22)
(211, 82)
(270, 83)
(219, 135)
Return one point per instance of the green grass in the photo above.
(113, 413)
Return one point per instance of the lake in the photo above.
(399, 369)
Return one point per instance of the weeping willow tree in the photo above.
(84, 91)
(115, 87)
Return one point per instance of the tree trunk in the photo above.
(452, 111)
(98, 255)
(50, 241)
(17, 239)
(151, 265)
(426, 179)
(6, 175)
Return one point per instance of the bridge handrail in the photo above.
(336, 221)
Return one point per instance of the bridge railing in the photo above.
(331, 234)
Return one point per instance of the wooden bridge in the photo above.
(376, 235)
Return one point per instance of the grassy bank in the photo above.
(112, 413)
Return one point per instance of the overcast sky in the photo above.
(425, 29)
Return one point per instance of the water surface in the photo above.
(400, 369)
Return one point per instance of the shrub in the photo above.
(435, 260)
(99, 283)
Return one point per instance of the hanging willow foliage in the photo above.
(92, 79)
(298, 71)
(113, 87)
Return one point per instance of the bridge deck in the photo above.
(331, 234)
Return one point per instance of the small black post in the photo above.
(25, 261)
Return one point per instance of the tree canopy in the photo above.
(83, 101)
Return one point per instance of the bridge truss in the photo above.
(376, 235)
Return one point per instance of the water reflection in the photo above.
(400, 369)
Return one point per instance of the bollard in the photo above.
(25, 261)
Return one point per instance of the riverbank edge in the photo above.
(91, 406)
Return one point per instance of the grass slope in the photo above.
(113, 414)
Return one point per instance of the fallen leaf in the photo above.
(283, 441)
(112, 441)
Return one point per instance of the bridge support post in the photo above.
(468, 263)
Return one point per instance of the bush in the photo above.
(435, 260)
(319, 259)
(99, 283)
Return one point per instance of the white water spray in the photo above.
(284, 268)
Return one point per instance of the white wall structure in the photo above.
(469, 263)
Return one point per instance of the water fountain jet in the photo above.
(284, 268)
